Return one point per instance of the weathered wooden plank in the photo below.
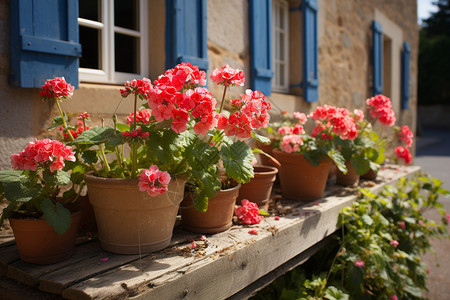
(127, 279)
(235, 265)
(103, 261)
(12, 290)
(8, 255)
(267, 279)
(30, 274)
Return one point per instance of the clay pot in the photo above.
(299, 179)
(351, 178)
(265, 160)
(87, 221)
(218, 217)
(130, 221)
(370, 175)
(39, 243)
(259, 188)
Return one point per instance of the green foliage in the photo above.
(365, 263)
(34, 194)
(56, 215)
(99, 135)
(237, 159)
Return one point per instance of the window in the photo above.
(280, 46)
(114, 39)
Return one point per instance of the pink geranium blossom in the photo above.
(56, 88)
(248, 213)
(301, 117)
(228, 76)
(359, 263)
(403, 153)
(84, 115)
(142, 116)
(394, 243)
(153, 181)
(43, 153)
(405, 135)
(253, 231)
(380, 107)
(291, 143)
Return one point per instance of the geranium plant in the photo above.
(326, 122)
(177, 130)
(33, 186)
(383, 118)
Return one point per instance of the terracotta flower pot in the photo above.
(265, 160)
(87, 221)
(299, 179)
(39, 243)
(259, 188)
(130, 221)
(351, 178)
(218, 217)
(371, 175)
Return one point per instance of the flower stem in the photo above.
(134, 146)
(102, 152)
(223, 99)
(63, 119)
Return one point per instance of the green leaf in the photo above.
(78, 172)
(367, 220)
(361, 164)
(62, 178)
(339, 160)
(99, 135)
(260, 138)
(90, 156)
(262, 212)
(56, 215)
(201, 155)
(332, 293)
(122, 127)
(207, 184)
(237, 160)
(8, 176)
(56, 122)
(20, 191)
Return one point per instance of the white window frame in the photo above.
(277, 30)
(107, 53)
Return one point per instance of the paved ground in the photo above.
(433, 155)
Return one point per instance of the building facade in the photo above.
(299, 53)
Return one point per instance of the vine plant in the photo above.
(379, 247)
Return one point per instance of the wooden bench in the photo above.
(231, 264)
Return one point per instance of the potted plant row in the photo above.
(180, 150)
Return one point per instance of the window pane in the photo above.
(126, 14)
(90, 41)
(89, 9)
(282, 72)
(127, 53)
(282, 46)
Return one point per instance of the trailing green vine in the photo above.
(377, 253)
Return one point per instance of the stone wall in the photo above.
(345, 67)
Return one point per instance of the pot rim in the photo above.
(120, 181)
(324, 158)
(269, 169)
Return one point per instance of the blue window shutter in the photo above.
(405, 74)
(186, 37)
(260, 46)
(377, 56)
(44, 41)
(310, 51)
